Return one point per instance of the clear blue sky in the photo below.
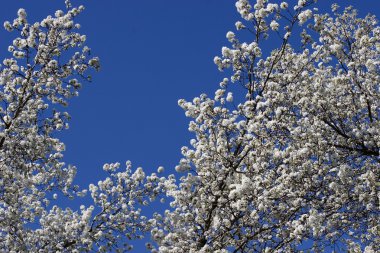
(152, 53)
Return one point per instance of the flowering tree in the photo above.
(285, 156)
(48, 61)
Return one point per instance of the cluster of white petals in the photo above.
(48, 62)
(287, 161)
(285, 156)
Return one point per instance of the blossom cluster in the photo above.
(287, 160)
(291, 156)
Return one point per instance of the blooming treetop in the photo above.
(293, 164)
(285, 156)
(49, 60)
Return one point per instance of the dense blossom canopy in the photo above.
(285, 156)
(49, 58)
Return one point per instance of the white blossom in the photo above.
(304, 16)
(285, 154)
(296, 158)
(284, 5)
(274, 25)
(230, 36)
(239, 25)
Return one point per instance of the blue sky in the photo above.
(152, 53)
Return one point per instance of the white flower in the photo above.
(8, 26)
(272, 7)
(59, 13)
(335, 47)
(217, 60)
(284, 5)
(304, 16)
(274, 25)
(239, 25)
(224, 83)
(301, 3)
(287, 35)
(14, 67)
(21, 13)
(230, 36)
(229, 97)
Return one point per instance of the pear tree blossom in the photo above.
(291, 164)
(47, 64)
(285, 155)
